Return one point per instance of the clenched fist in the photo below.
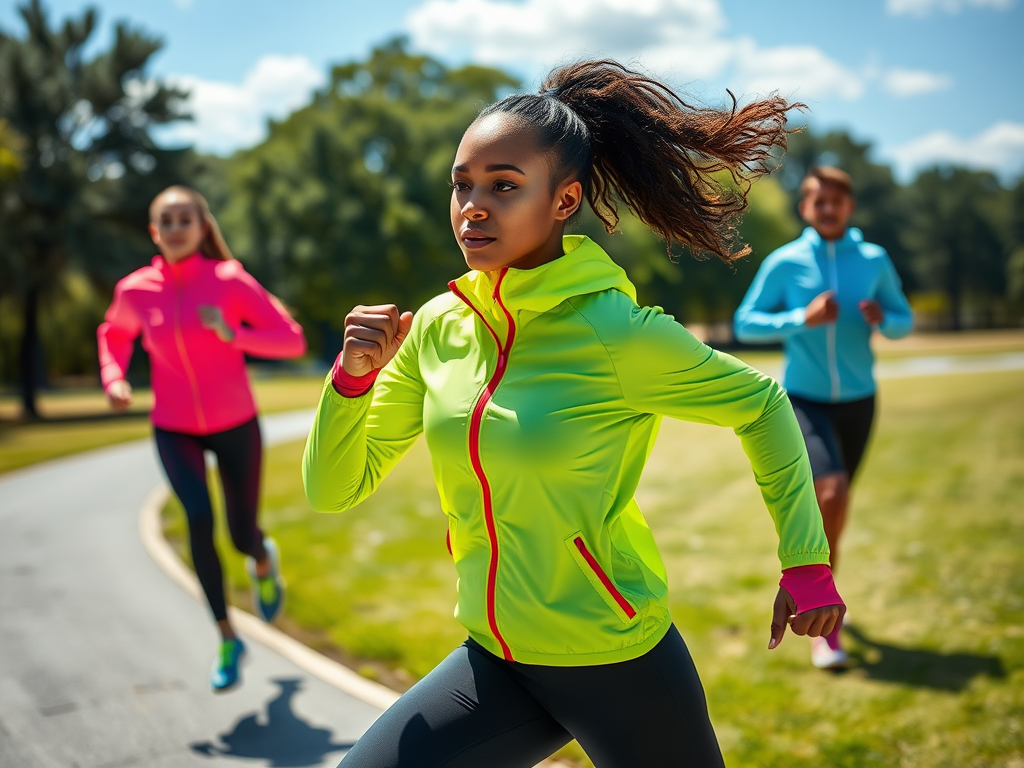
(822, 310)
(372, 337)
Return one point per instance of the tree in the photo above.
(1015, 247)
(705, 290)
(90, 165)
(955, 236)
(347, 199)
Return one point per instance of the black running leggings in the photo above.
(476, 709)
(239, 453)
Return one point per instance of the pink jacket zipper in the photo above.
(200, 384)
(474, 450)
(183, 354)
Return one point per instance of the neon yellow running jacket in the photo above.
(540, 393)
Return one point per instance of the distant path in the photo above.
(104, 660)
(937, 365)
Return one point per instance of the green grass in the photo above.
(80, 420)
(931, 573)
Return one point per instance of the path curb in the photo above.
(305, 658)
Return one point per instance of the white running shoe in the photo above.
(823, 656)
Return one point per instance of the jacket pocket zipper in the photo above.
(606, 582)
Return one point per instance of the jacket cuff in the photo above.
(810, 586)
(347, 385)
(109, 374)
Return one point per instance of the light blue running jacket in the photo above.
(829, 363)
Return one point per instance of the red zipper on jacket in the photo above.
(597, 569)
(183, 354)
(474, 449)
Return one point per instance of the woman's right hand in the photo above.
(119, 393)
(372, 337)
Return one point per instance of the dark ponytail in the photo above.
(626, 137)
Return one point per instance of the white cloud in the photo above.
(798, 71)
(913, 82)
(926, 7)
(999, 149)
(681, 40)
(233, 115)
(679, 35)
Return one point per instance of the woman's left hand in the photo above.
(816, 622)
(213, 318)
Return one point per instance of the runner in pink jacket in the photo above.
(199, 380)
(199, 312)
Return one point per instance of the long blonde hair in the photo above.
(212, 246)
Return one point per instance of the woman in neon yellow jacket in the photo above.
(539, 384)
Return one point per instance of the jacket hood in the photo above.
(585, 268)
(852, 235)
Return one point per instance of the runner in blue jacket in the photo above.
(821, 296)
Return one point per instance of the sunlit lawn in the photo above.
(932, 575)
(80, 420)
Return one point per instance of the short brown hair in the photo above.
(827, 174)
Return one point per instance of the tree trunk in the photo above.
(30, 353)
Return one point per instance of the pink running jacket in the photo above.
(200, 385)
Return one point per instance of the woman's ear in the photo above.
(154, 233)
(569, 197)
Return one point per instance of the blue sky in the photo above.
(924, 80)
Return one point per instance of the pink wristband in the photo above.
(811, 586)
(347, 385)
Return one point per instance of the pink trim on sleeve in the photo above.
(347, 385)
(811, 586)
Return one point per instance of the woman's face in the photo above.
(176, 225)
(504, 213)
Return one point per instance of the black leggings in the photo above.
(239, 453)
(476, 709)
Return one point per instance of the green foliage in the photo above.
(346, 201)
(78, 203)
(695, 290)
(12, 160)
(956, 233)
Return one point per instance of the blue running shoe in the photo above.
(226, 673)
(267, 592)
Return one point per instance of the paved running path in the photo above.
(104, 660)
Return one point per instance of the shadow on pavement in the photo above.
(925, 669)
(283, 739)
